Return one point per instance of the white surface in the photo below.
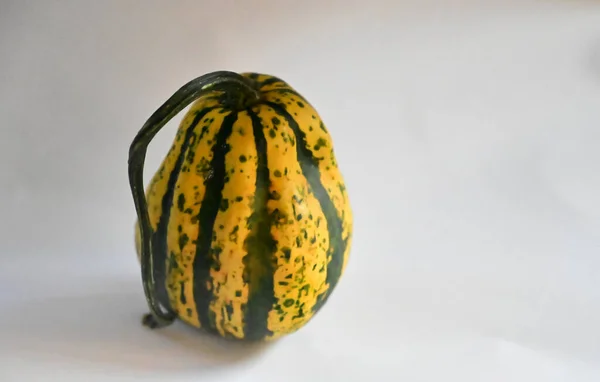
(468, 136)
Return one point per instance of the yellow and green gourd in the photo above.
(245, 229)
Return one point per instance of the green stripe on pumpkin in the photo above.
(310, 170)
(206, 255)
(259, 262)
(159, 237)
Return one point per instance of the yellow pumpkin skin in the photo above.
(251, 222)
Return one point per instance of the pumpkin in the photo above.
(246, 226)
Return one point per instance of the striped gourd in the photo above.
(245, 228)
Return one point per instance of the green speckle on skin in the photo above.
(278, 218)
(287, 252)
(233, 235)
(239, 198)
(289, 302)
(238, 293)
(278, 309)
(181, 202)
(182, 298)
(322, 126)
(305, 288)
(272, 133)
(216, 250)
(224, 204)
(203, 168)
(183, 240)
(243, 158)
(215, 253)
(320, 143)
(277, 173)
(274, 195)
(300, 313)
(229, 310)
(275, 121)
(173, 262)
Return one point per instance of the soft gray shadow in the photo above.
(593, 59)
(105, 329)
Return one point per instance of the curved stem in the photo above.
(215, 81)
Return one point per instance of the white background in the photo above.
(468, 133)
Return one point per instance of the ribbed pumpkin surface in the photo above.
(250, 218)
